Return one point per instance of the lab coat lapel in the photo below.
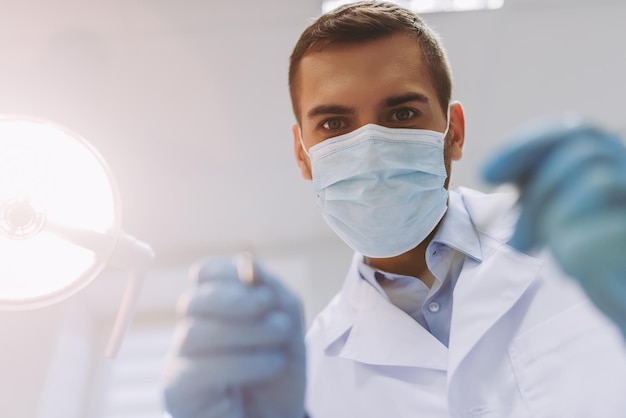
(384, 335)
(379, 332)
(484, 293)
(487, 290)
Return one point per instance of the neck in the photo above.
(411, 263)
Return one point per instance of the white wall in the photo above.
(533, 59)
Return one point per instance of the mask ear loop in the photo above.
(445, 133)
(304, 148)
(302, 142)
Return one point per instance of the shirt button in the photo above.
(433, 307)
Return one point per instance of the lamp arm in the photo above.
(100, 243)
(128, 254)
(135, 257)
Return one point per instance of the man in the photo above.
(438, 315)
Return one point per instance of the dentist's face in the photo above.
(384, 81)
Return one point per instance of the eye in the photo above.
(403, 114)
(333, 124)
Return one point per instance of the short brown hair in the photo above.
(371, 20)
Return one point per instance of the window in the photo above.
(429, 6)
(136, 375)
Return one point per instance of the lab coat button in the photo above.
(433, 307)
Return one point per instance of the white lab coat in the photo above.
(524, 342)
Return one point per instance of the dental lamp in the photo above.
(60, 221)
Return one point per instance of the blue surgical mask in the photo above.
(381, 189)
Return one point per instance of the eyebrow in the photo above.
(405, 98)
(344, 110)
(329, 110)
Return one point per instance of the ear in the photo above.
(301, 158)
(456, 131)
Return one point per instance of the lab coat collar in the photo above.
(370, 319)
(494, 214)
(457, 219)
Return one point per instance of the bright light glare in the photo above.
(48, 176)
(428, 6)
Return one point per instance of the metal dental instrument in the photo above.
(245, 268)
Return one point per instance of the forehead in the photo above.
(362, 70)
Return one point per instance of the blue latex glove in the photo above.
(572, 181)
(240, 349)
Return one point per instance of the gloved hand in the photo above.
(240, 349)
(572, 181)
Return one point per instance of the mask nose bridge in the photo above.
(445, 132)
